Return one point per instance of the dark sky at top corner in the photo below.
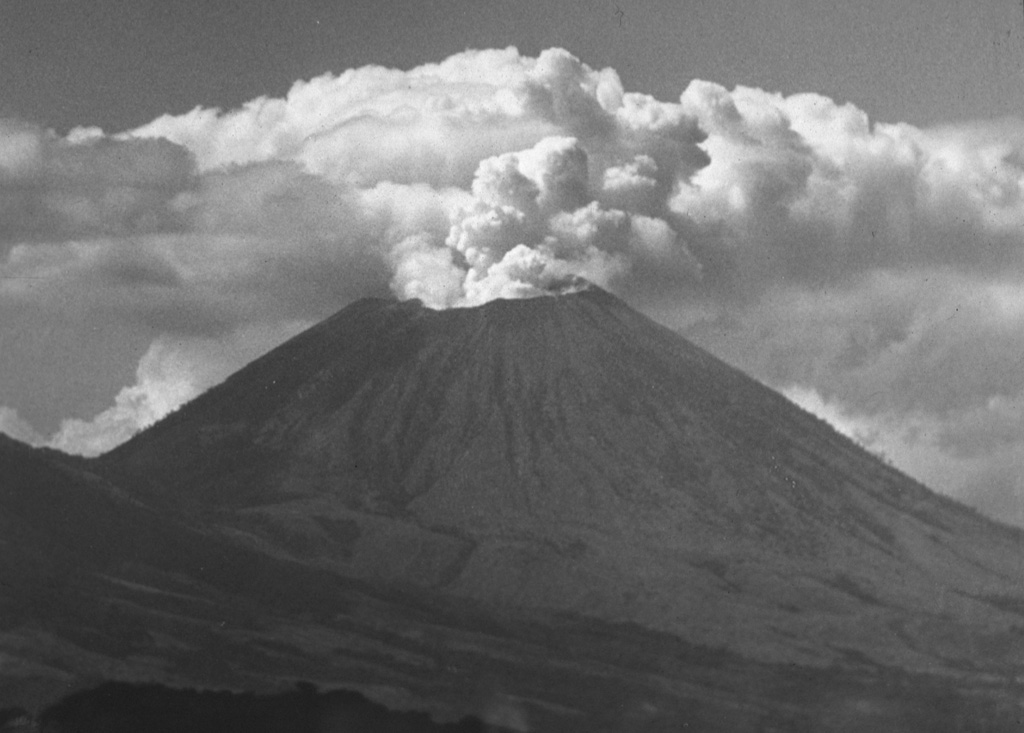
(120, 63)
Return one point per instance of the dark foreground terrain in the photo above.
(831, 700)
(550, 515)
(123, 708)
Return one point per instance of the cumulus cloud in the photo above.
(13, 425)
(872, 270)
(164, 382)
(879, 265)
(172, 371)
(55, 188)
(295, 206)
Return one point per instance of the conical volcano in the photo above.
(567, 455)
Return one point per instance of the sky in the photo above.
(827, 195)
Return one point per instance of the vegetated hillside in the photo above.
(567, 454)
(95, 584)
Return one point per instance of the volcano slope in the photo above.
(96, 585)
(567, 469)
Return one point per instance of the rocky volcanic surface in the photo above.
(553, 512)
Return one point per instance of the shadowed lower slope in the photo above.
(95, 584)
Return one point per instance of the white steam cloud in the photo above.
(874, 271)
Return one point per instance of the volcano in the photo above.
(559, 504)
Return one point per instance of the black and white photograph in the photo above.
(537, 366)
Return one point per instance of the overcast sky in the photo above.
(826, 194)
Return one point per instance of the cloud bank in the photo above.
(872, 271)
